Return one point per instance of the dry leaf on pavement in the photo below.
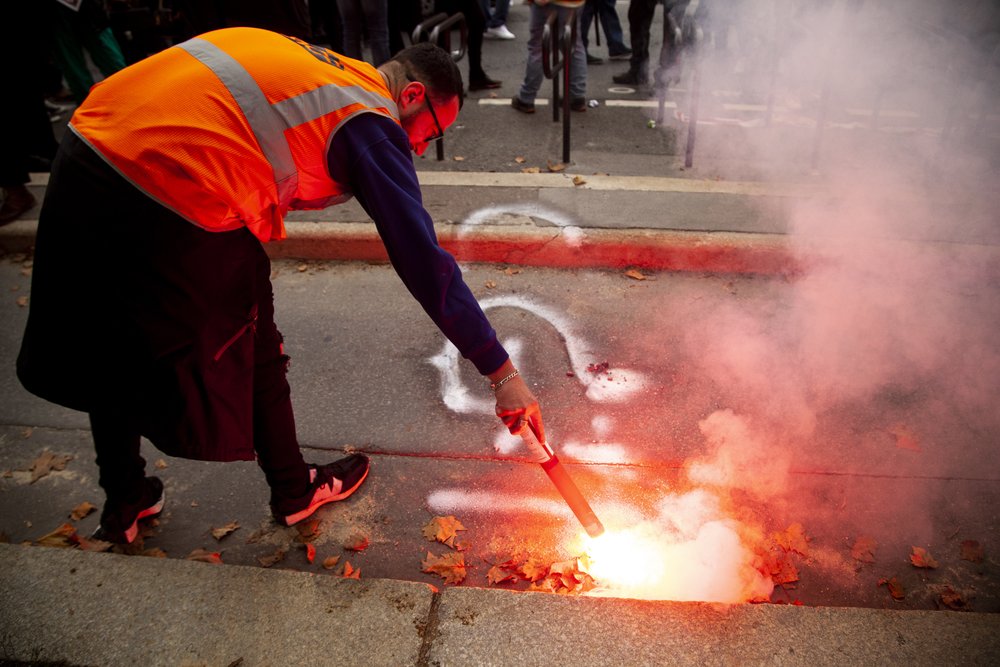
(443, 529)
(276, 557)
(501, 572)
(161, 464)
(458, 158)
(519, 159)
(358, 541)
(953, 599)
(793, 539)
(556, 167)
(205, 556)
(579, 180)
(46, 463)
(157, 552)
(450, 566)
(81, 510)
(531, 170)
(895, 588)
(22, 301)
(498, 575)
(634, 274)
(490, 284)
(308, 530)
(63, 537)
(922, 558)
(533, 569)
(310, 552)
(972, 551)
(864, 549)
(87, 544)
(330, 562)
(223, 531)
(781, 568)
(349, 572)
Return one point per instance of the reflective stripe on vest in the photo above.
(269, 121)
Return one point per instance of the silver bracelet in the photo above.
(504, 380)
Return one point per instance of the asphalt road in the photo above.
(714, 407)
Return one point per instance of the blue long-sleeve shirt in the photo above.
(371, 154)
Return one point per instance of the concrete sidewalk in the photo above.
(76, 608)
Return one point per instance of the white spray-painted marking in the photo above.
(600, 452)
(572, 232)
(613, 388)
(455, 501)
(602, 424)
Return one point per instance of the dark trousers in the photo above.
(25, 130)
(640, 20)
(139, 318)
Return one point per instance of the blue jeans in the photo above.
(608, 16)
(533, 73)
(498, 17)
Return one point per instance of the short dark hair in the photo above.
(433, 66)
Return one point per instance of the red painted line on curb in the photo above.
(609, 249)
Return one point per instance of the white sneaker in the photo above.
(499, 33)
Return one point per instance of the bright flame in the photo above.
(625, 559)
(691, 553)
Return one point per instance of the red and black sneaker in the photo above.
(120, 520)
(330, 482)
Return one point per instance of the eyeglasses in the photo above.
(430, 107)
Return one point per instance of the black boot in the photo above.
(633, 77)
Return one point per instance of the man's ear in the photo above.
(413, 93)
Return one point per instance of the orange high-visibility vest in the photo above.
(232, 128)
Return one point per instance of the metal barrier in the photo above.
(556, 62)
(438, 30)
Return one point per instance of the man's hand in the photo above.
(517, 406)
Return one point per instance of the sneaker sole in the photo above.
(132, 531)
(293, 519)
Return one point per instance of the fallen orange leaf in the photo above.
(81, 510)
(498, 574)
(449, 566)
(534, 569)
(308, 530)
(864, 549)
(953, 599)
(223, 531)
(87, 544)
(972, 551)
(63, 537)
(330, 562)
(922, 558)
(46, 463)
(443, 529)
(793, 539)
(349, 572)
(276, 557)
(205, 556)
(357, 542)
(895, 588)
(634, 274)
(310, 552)
(783, 570)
